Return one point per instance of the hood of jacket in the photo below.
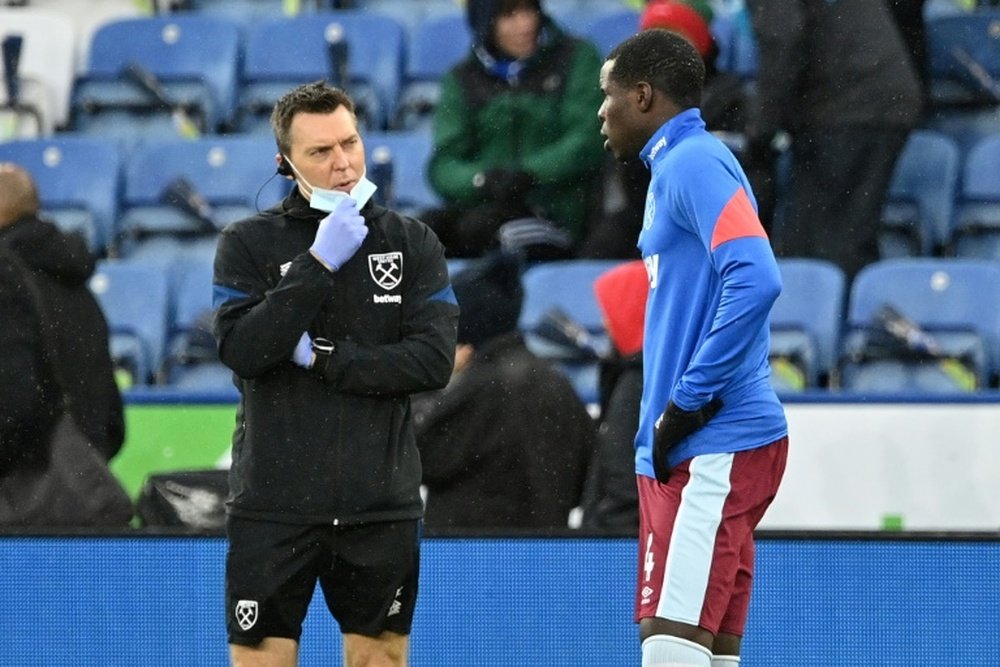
(482, 14)
(621, 295)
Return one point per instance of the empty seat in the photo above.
(566, 287)
(977, 220)
(191, 189)
(963, 54)
(806, 323)
(157, 77)
(438, 44)
(609, 28)
(134, 299)
(78, 181)
(951, 301)
(47, 63)
(190, 343)
(243, 12)
(283, 53)
(916, 216)
(402, 157)
(734, 36)
(411, 15)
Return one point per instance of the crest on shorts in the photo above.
(386, 268)
(246, 613)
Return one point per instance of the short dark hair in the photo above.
(315, 97)
(663, 59)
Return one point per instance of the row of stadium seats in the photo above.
(916, 324)
(175, 190)
(193, 73)
(940, 201)
(225, 61)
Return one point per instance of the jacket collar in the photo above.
(670, 133)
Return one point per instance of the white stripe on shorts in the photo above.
(692, 541)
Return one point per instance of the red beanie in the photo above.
(621, 294)
(680, 18)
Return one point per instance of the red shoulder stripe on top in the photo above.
(737, 220)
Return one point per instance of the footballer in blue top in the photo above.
(712, 279)
(712, 440)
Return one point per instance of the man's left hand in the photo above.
(673, 426)
(303, 354)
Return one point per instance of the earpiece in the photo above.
(283, 168)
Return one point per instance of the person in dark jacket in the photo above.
(30, 402)
(61, 265)
(507, 444)
(612, 503)
(838, 78)
(514, 132)
(331, 311)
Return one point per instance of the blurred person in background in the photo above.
(514, 130)
(837, 77)
(29, 399)
(61, 265)
(508, 442)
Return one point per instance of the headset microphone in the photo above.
(283, 168)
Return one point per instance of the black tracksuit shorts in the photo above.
(368, 574)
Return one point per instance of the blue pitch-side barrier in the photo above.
(821, 599)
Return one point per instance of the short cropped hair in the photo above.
(663, 59)
(315, 97)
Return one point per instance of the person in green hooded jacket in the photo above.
(515, 136)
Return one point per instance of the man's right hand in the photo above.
(339, 235)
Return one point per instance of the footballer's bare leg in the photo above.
(272, 652)
(387, 650)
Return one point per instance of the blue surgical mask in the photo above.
(326, 200)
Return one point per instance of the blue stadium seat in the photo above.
(609, 28)
(734, 36)
(567, 286)
(438, 44)
(408, 13)
(283, 53)
(78, 182)
(243, 12)
(953, 300)
(407, 154)
(806, 323)
(134, 297)
(963, 53)
(192, 360)
(977, 220)
(916, 216)
(234, 176)
(194, 58)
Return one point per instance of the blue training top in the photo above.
(713, 279)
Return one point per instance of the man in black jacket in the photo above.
(61, 264)
(332, 310)
(837, 76)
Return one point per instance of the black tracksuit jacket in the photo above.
(334, 443)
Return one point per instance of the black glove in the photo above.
(504, 185)
(673, 426)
